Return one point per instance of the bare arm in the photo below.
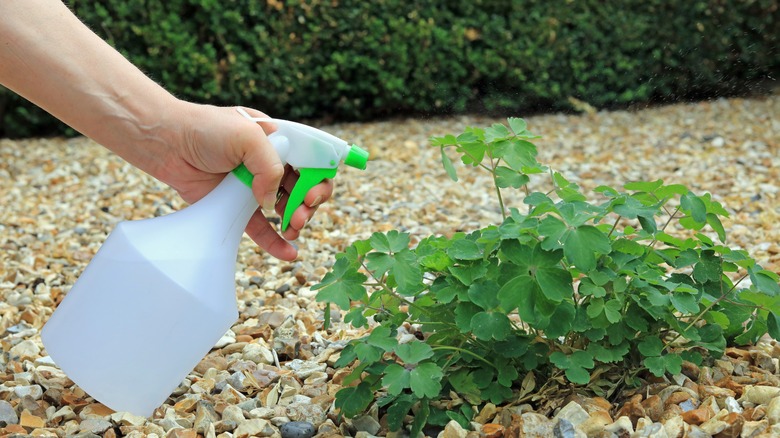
(48, 56)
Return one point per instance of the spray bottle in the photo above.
(160, 292)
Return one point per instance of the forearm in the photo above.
(52, 59)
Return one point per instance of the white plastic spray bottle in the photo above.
(160, 292)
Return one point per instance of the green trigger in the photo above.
(308, 178)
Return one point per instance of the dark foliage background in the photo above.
(357, 60)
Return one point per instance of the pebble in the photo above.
(7, 414)
(297, 429)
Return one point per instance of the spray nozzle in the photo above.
(315, 154)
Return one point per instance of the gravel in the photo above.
(273, 372)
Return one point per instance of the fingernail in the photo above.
(317, 201)
(269, 201)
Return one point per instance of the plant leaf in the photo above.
(382, 338)
(413, 352)
(447, 163)
(581, 245)
(396, 379)
(425, 380)
(651, 346)
(342, 284)
(490, 325)
(354, 399)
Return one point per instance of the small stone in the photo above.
(573, 413)
(595, 423)
(216, 361)
(204, 415)
(654, 407)
(181, 433)
(632, 409)
(94, 425)
(316, 378)
(262, 412)
(127, 419)
(453, 429)
(254, 427)
(13, 429)
(257, 353)
(65, 413)
(366, 423)
(533, 424)
(492, 430)
(688, 405)
(306, 412)
(186, 405)
(226, 339)
(7, 414)
(297, 429)
(303, 369)
(677, 397)
(29, 420)
(51, 377)
(759, 395)
(674, 427)
(34, 391)
(26, 349)
(753, 428)
(621, 427)
(233, 413)
(697, 416)
(564, 429)
(773, 411)
(486, 413)
(95, 410)
(733, 405)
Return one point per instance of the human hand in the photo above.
(212, 141)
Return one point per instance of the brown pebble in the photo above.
(213, 360)
(12, 429)
(735, 423)
(29, 420)
(182, 433)
(677, 397)
(632, 409)
(492, 430)
(738, 353)
(690, 370)
(697, 416)
(653, 407)
(244, 338)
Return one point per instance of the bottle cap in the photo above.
(357, 157)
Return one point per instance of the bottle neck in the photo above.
(228, 209)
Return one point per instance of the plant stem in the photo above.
(464, 351)
(492, 170)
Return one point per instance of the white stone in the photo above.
(733, 405)
(574, 413)
(257, 353)
(759, 395)
(25, 349)
(453, 429)
(34, 391)
(253, 427)
(773, 411)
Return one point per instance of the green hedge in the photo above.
(357, 59)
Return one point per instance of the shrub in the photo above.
(352, 59)
(565, 289)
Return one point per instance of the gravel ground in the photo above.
(60, 198)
